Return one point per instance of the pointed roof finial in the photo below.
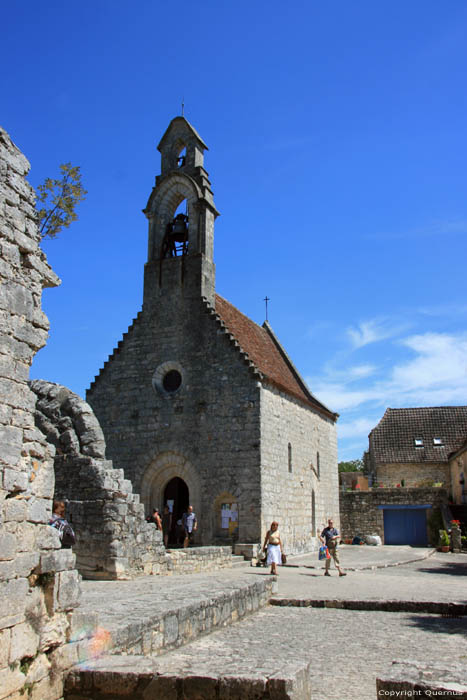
(183, 106)
(266, 299)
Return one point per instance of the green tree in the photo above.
(59, 199)
(354, 465)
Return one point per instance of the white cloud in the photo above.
(437, 375)
(361, 371)
(372, 332)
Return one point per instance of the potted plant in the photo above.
(444, 544)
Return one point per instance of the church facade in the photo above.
(198, 404)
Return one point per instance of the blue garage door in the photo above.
(405, 526)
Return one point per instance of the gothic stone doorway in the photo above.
(176, 496)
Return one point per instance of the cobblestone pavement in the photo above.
(348, 649)
(368, 557)
(439, 578)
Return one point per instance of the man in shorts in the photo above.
(190, 525)
(330, 537)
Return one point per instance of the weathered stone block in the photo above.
(53, 631)
(39, 510)
(14, 480)
(24, 642)
(25, 563)
(69, 590)
(11, 680)
(5, 639)
(59, 560)
(7, 546)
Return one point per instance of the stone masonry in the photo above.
(361, 513)
(39, 584)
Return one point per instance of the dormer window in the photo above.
(438, 442)
(418, 442)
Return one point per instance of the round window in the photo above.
(168, 378)
(172, 380)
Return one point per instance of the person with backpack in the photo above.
(58, 521)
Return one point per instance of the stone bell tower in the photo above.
(180, 247)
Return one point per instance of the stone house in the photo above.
(412, 446)
(199, 404)
(416, 464)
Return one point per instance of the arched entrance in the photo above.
(170, 476)
(177, 497)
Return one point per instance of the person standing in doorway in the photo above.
(330, 537)
(190, 525)
(166, 524)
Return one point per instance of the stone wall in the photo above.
(113, 538)
(361, 515)
(39, 584)
(458, 477)
(289, 475)
(413, 475)
(207, 432)
(114, 541)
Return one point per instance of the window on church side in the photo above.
(318, 467)
(313, 513)
(290, 457)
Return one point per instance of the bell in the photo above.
(180, 228)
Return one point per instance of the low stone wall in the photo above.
(360, 513)
(196, 560)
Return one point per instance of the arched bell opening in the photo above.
(177, 497)
(176, 238)
(181, 158)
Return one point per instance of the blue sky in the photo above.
(338, 143)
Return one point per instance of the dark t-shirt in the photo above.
(328, 533)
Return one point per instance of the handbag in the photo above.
(323, 553)
(284, 558)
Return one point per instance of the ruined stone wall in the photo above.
(39, 585)
(208, 431)
(113, 538)
(286, 496)
(413, 474)
(361, 515)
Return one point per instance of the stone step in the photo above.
(150, 615)
(245, 662)
(238, 561)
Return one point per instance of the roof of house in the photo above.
(407, 435)
(267, 354)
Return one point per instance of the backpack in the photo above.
(65, 531)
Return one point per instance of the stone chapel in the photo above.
(198, 404)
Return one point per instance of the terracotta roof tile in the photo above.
(265, 352)
(393, 439)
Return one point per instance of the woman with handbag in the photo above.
(273, 545)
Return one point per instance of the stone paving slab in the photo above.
(361, 557)
(441, 578)
(341, 652)
(420, 679)
(153, 613)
